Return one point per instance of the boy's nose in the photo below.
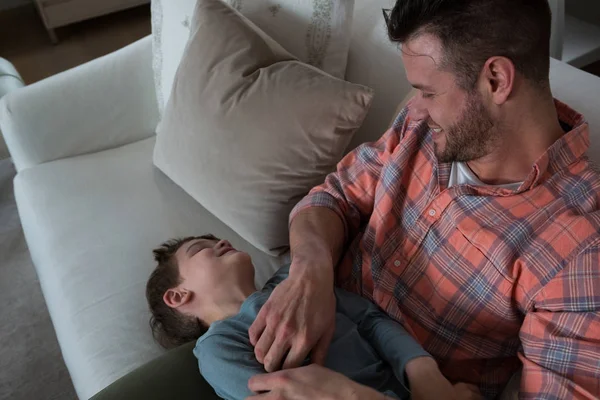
(223, 243)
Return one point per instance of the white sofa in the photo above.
(9, 80)
(93, 206)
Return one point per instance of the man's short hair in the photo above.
(170, 327)
(472, 31)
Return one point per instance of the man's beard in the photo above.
(472, 137)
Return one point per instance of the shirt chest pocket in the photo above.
(500, 243)
(485, 284)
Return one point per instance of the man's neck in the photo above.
(530, 129)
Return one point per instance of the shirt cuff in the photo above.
(324, 200)
(416, 353)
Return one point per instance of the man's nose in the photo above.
(417, 111)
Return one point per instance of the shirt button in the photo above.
(397, 263)
(432, 212)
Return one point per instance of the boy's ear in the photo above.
(176, 297)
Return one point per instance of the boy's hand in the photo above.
(427, 383)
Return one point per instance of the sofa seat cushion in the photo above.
(91, 223)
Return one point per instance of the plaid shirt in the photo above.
(484, 278)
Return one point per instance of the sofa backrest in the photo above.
(376, 62)
(581, 91)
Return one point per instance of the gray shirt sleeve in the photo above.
(391, 341)
(227, 364)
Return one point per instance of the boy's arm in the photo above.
(227, 363)
(391, 341)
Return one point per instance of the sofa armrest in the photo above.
(174, 375)
(103, 104)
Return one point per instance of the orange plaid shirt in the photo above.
(484, 278)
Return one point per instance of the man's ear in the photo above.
(176, 297)
(499, 74)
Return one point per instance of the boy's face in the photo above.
(209, 268)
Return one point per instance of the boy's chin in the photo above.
(241, 256)
(241, 259)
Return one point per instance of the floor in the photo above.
(36, 58)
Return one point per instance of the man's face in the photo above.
(462, 127)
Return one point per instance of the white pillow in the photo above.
(317, 32)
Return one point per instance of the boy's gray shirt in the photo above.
(367, 347)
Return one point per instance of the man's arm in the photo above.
(315, 382)
(348, 193)
(310, 383)
(317, 233)
(299, 317)
(561, 336)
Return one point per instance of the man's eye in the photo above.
(427, 95)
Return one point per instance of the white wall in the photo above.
(8, 4)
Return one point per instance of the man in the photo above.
(474, 221)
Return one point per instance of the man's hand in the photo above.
(309, 383)
(298, 318)
(427, 383)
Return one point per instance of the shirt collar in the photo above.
(565, 151)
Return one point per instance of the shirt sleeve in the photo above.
(227, 364)
(391, 341)
(561, 336)
(350, 190)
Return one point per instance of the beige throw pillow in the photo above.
(249, 129)
(318, 32)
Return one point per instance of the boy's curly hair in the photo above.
(170, 327)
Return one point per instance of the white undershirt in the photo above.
(461, 174)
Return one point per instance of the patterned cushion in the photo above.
(317, 32)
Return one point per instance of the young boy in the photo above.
(203, 289)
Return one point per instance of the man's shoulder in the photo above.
(580, 189)
(567, 243)
(575, 209)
